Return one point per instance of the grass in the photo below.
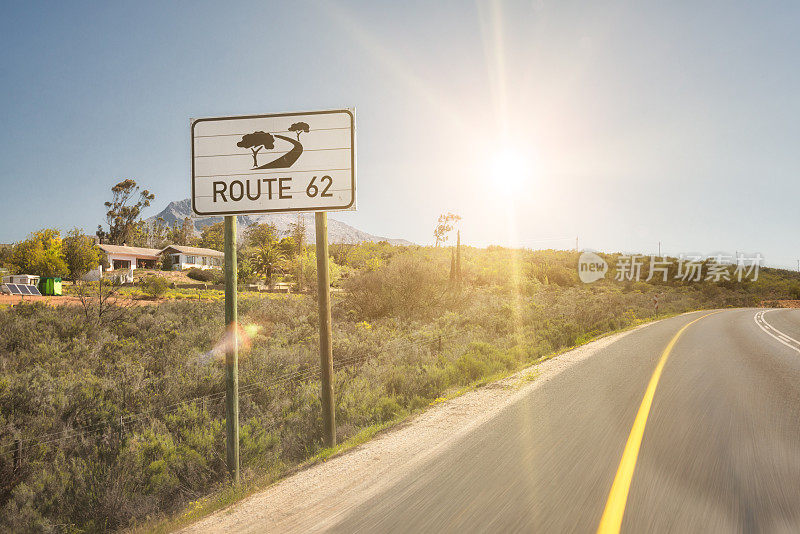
(230, 495)
(184, 293)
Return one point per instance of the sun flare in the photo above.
(511, 170)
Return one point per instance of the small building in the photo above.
(184, 257)
(25, 279)
(125, 257)
(50, 286)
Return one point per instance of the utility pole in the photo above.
(659, 249)
(576, 244)
(231, 351)
(325, 348)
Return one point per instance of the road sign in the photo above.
(272, 163)
(268, 163)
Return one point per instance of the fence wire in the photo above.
(297, 376)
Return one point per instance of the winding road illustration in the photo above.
(288, 159)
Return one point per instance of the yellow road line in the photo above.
(611, 521)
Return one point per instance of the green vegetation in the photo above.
(123, 215)
(80, 254)
(154, 286)
(45, 253)
(41, 254)
(206, 275)
(121, 418)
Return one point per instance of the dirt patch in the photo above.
(13, 300)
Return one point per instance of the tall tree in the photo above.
(41, 254)
(255, 142)
(158, 236)
(288, 247)
(260, 235)
(80, 253)
(183, 234)
(298, 128)
(124, 212)
(458, 259)
(444, 226)
(5, 255)
(213, 236)
(267, 260)
(297, 232)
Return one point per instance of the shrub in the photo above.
(205, 275)
(409, 286)
(155, 286)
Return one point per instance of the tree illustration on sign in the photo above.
(298, 128)
(256, 141)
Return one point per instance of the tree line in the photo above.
(264, 254)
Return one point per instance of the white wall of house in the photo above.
(130, 258)
(182, 261)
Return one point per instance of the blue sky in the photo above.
(631, 122)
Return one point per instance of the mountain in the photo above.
(338, 232)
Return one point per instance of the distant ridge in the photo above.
(338, 232)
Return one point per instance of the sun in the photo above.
(510, 170)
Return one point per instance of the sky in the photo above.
(620, 123)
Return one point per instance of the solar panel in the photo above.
(23, 289)
(13, 289)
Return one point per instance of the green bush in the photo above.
(155, 286)
(408, 286)
(205, 275)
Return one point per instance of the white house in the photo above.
(125, 257)
(188, 257)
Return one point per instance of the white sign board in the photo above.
(272, 163)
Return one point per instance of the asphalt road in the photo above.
(720, 450)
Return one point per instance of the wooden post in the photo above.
(232, 351)
(325, 349)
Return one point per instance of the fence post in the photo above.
(232, 351)
(325, 349)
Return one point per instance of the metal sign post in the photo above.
(284, 162)
(325, 349)
(231, 350)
